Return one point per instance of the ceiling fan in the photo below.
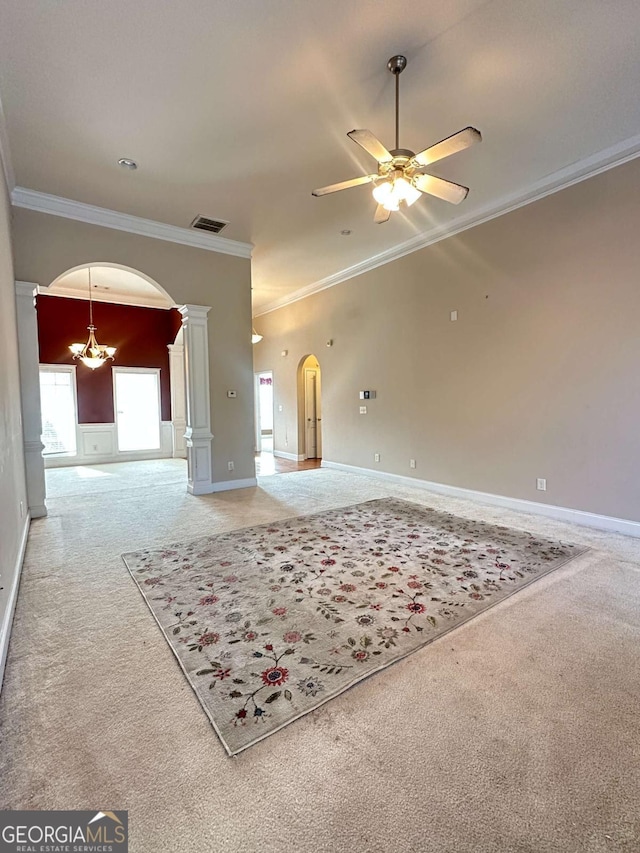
(400, 179)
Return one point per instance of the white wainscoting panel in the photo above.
(98, 445)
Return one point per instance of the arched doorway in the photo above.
(121, 410)
(310, 408)
(120, 285)
(110, 283)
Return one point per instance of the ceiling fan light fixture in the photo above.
(391, 193)
(382, 192)
(404, 191)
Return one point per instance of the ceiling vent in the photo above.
(213, 226)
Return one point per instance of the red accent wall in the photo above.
(140, 334)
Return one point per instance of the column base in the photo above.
(199, 463)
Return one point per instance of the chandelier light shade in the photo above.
(92, 354)
(390, 193)
(255, 337)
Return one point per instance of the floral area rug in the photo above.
(270, 622)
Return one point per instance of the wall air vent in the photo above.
(203, 223)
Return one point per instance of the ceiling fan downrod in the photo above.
(396, 66)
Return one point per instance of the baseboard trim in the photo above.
(7, 617)
(229, 485)
(294, 457)
(560, 513)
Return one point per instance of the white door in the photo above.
(311, 412)
(137, 402)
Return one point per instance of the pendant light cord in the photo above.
(90, 301)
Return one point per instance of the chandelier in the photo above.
(92, 353)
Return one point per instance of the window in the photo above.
(58, 406)
(137, 394)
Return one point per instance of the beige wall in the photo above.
(13, 498)
(539, 377)
(46, 246)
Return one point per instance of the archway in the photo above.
(110, 286)
(110, 283)
(309, 408)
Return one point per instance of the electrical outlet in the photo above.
(412, 463)
(541, 484)
(376, 457)
(363, 410)
(21, 509)
(230, 466)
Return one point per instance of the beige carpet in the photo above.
(518, 733)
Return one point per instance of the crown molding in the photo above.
(58, 206)
(566, 177)
(5, 156)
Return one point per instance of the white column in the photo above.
(198, 435)
(178, 399)
(29, 361)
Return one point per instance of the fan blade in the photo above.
(381, 215)
(371, 145)
(446, 147)
(446, 190)
(344, 185)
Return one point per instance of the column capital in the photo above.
(27, 288)
(194, 312)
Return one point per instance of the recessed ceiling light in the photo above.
(346, 232)
(127, 164)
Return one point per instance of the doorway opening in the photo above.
(264, 411)
(137, 405)
(310, 408)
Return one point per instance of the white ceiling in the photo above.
(237, 109)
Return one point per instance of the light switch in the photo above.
(454, 316)
(232, 394)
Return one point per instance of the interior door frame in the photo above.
(318, 411)
(144, 370)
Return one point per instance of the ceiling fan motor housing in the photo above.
(397, 64)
